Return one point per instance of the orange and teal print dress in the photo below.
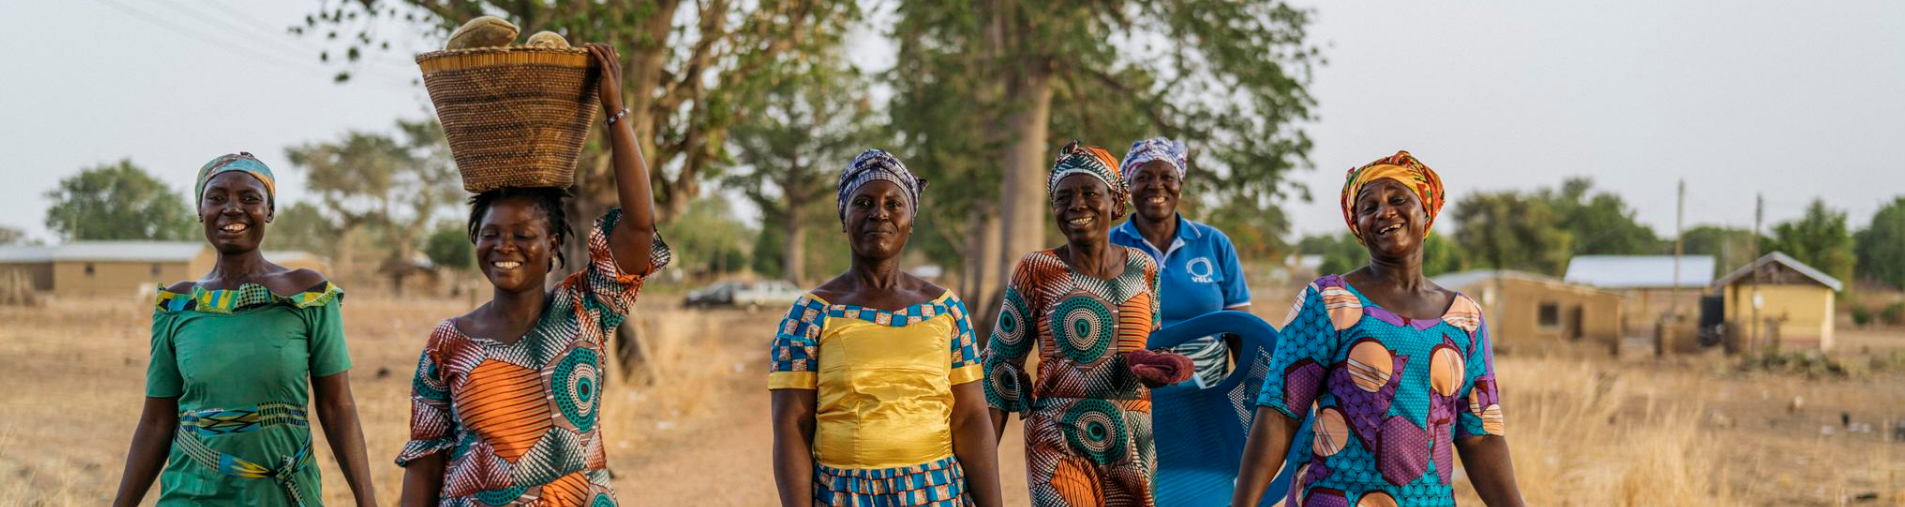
(519, 420)
(1087, 419)
(883, 397)
(1390, 394)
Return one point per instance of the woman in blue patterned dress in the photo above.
(1399, 371)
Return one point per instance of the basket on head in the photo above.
(515, 116)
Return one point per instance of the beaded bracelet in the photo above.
(618, 115)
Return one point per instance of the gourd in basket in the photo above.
(515, 116)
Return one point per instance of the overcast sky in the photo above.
(1795, 100)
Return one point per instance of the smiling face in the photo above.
(879, 220)
(234, 210)
(1084, 208)
(514, 245)
(1390, 219)
(1155, 190)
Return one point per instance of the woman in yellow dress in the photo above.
(876, 397)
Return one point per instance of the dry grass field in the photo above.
(1585, 429)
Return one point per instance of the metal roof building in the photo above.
(1639, 271)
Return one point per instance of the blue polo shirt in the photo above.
(1200, 270)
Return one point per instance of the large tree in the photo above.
(117, 201)
(393, 186)
(1228, 77)
(1600, 222)
(1881, 246)
(686, 66)
(1510, 230)
(808, 123)
(1819, 238)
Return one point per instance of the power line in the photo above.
(237, 49)
(255, 28)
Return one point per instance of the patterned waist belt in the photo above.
(212, 422)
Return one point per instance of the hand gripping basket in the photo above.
(515, 116)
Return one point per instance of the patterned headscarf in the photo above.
(241, 161)
(877, 164)
(1094, 161)
(1156, 148)
(1404, 169)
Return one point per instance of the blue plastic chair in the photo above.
(1200, 432)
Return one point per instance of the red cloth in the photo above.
(1158, 368)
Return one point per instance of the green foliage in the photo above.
(118, 201)
(1893, 314)
(11, 236)
(1510, 230)
(687, 66)
(393, 186)
(1341, 252)
(1228, 78)
(823, 247)
(1600, 222)
(1881, 246)
(1731, 248)
(1861, 316)
(1257, 233)
(1819, 238)
(808, 123)
(302, 226)
(448, 246)
(707, 239)
(1441, 255)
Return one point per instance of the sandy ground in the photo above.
(1584, 429)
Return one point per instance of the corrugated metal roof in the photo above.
(1783, 259)
(1639, 271)
(132, 251)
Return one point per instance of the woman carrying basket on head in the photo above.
(232, 355)
(876, 399)
(503, 410)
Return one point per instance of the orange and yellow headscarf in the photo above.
(1402, 168)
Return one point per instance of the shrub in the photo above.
(1894, 313)
(1861, 316)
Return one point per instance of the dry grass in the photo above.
(1584, 429)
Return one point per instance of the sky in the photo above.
(1791, 100)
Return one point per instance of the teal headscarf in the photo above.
(241, 161)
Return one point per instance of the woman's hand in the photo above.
(609, 87)
(1158, 369)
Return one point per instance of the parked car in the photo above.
(751, 296)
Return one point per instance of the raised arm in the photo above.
(151, 441)
(634, 236)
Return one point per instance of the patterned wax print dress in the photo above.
(1088, 419)
(1389, 393)
(884, 401)
(240, 362)
(519, 420)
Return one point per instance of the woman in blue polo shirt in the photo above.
(1199, 269)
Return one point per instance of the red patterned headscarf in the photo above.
(1402, 168)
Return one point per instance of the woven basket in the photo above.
(515, 116)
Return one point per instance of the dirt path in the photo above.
(723, 457)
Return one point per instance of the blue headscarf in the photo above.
(877, 164)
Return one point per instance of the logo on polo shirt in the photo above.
(1201, 269)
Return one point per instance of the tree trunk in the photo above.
(1028, 97)
(794, 263)
(982, 277)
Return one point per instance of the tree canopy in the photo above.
(1819, 238)
(1881, 246)
(118, 201)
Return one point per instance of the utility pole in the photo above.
(1673, 305)
(1759, 215)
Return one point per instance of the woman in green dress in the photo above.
(232, 355)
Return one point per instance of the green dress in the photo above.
(240, 363)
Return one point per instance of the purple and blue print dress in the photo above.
(1390, 395)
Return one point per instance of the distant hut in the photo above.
(1646, 285)
(1520, 306)
(116, 268)
(1794, 301)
